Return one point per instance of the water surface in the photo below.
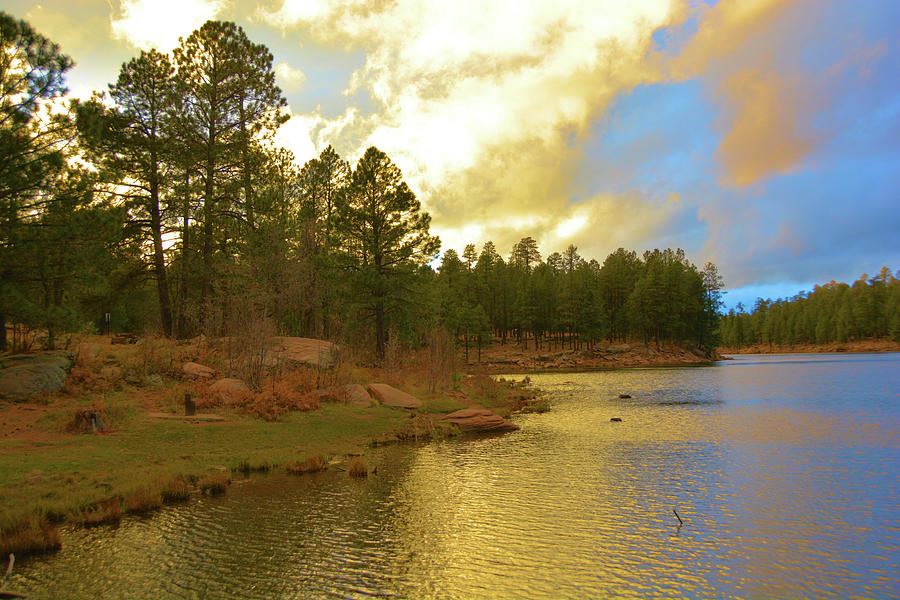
(782, 467)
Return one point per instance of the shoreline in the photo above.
(855, 347)
(153, 455)
(52, 475)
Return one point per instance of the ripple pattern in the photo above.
(782, 495)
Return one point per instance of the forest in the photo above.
(833, 312)
(162, 205)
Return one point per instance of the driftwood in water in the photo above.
(5, 593)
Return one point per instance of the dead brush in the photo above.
(358, 468)
(154, 355)
(289, 393)
(174, 490)
(33, 535)
(107, 513)
(311, 464)
(143, 500)
(214, 484)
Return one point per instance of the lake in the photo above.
(783, 469)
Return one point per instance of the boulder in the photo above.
(23, 377)
(391, 396)
(197, 371)
(230, 390)
(478, 420)
(357, 395)
(319, 353)
(353, 393)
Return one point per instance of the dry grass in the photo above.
(108, 513)
(214, 483)
(310, 465)
(143, 500)
(175, 490)
(247, 466)
(358, 468)
(34, 535)
(292, 391)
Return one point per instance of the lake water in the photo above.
(783, 468)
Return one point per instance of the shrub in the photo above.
(143, 500)
(291, 392)
(245, 467)
(358, 469)
(33, 535)
(537, 406)
(214, 483)
(310, 465)
(175, 490)
(107, 513)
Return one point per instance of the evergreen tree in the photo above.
(384, 237)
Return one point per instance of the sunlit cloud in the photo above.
(159, 23)
(289, 78)
(477, 101)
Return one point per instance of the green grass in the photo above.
(81, 470)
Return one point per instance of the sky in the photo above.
(761, 135)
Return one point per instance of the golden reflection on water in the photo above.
(790, 495)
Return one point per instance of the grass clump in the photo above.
(246, 466)
(33, 535)
(213, 484)
(143, 500)
(107, 513)
(312, 464)
(358, 468)
(540, 405)
(175, 490)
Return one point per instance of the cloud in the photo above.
(765, 134)
(477, 102)
(746, 53)
(159, 23)
(289, 78)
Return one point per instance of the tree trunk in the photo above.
(159, 261)
(206, 281)
(379, 329)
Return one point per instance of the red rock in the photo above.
(310, 351)
(353, 393)
(478, 419)
(230, 390)
(391, 396)
(197, 371)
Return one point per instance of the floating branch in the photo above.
(680, 522)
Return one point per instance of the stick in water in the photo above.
(680, 522)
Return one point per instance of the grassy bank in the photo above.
(50, 473)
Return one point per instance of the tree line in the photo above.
(833, 312)
(165, 204)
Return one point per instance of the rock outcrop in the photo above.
(391, 396)
(230, 390)
(197, 371)
(319, 353)
(25, 376)
(478, 420)
(353, 393)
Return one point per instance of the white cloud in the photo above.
(289, 78)
(475, 99)
(158, 24)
